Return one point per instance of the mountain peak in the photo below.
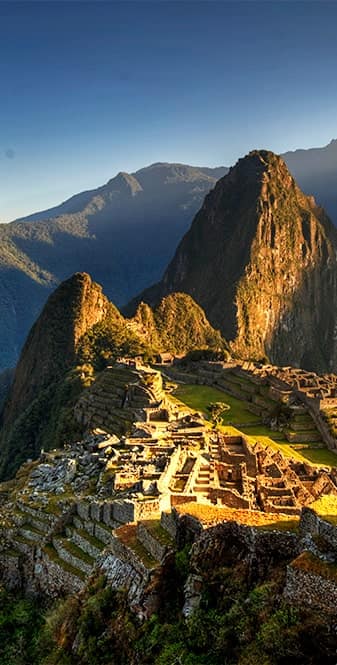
(256, 257)
(74, 307)
(124, 183)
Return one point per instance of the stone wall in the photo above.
(10, 570)
(122, 574)
(304, 588)
(151, 544)
(129, 556)
(311, 523)
(123, 511)
(52, 580)
(170, 470)
(168, 522)
(229, 497)
(148, 509)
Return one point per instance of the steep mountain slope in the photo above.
(78, 333)
(123, 233)
(40, 394)
(260, 258)
(51, 346)
(316, 173)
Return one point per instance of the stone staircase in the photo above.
(203, 480)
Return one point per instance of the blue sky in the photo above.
(91, 88)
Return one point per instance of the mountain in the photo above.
(122, 233)
(316, 173)
(39, 394)
(77, 334)
(177, 325)
(260, 258)
(50, 348)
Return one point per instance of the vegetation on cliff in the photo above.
(122, 233)
(183, 326)
(239, 622)
(78, 333)
(260, 258)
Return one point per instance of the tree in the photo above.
(217, 409)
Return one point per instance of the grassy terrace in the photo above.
(214, 515)
(53, 556)
(311, 564)
(326, 508)
(199, 397)
(127, 534)
(156, 530)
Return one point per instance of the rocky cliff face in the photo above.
(260, 258)
(37, 412)
(50, 349)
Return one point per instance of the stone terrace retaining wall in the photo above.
(10, 570)
(155, 549)
(311, 523)
(306, 588)
(52, 580)
(169, 523)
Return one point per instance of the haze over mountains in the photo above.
(316, 173)
(123, 233)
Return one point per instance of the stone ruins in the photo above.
(112, 501)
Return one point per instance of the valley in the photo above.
(168, 332)
(171, 442)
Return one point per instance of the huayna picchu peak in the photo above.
(260, 258)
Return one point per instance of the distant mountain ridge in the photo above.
(123, 233)
(157, 174)
(315, 170)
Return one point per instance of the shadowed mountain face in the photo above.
(123, 233)
(50, 348)
(78, 333)
(260, 258)
(315, 171)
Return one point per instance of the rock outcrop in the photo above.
(50, 349)
(260, 258)
(40, 394)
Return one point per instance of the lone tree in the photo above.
(217, 409)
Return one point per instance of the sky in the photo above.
(88, 89)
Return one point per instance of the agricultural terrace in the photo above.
(199, 397)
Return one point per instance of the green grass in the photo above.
(53, 556)
(326, 508)
(76, 551)
(157, 531)
(199, 397)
